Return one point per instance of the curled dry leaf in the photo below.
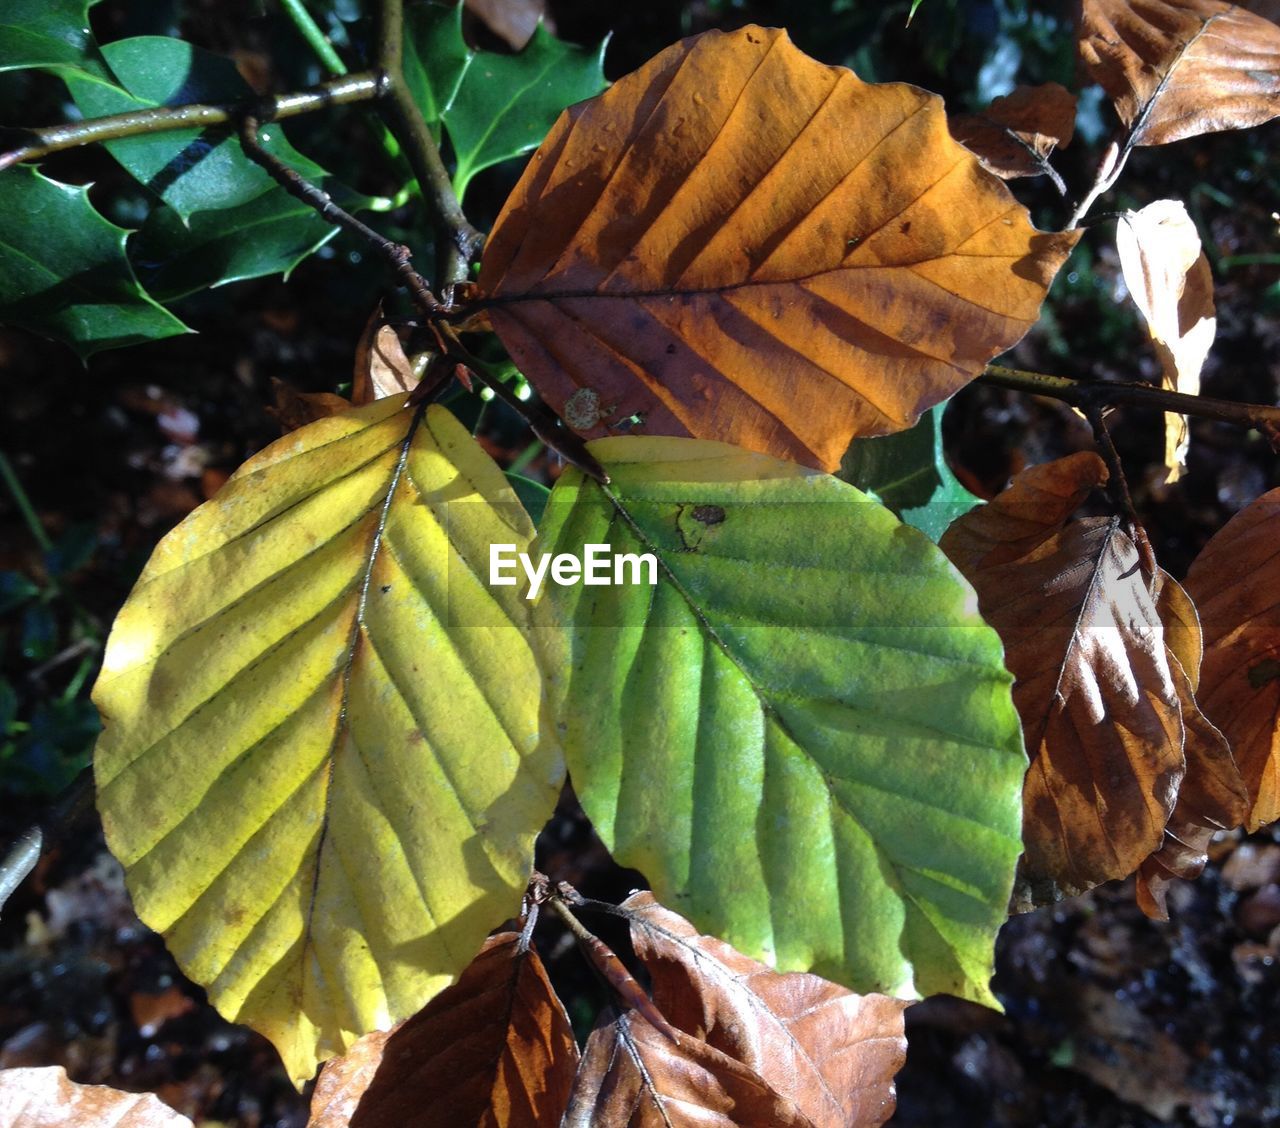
(1015, 135)
(382, 368)
(1179, 68)
(1099, 707)
(496, 1048)
(634, 1076)
(1170, 281)
(293, 409)
(512, 21)
(737, 242)
(830, 1051)
(47, 1098)
(1235, 582)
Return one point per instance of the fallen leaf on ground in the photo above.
(1235, 583)
(1179, 68)
(737, 242)
(1099, 707)
(47, 1098)
(830, 1051)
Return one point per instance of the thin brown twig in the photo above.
(1085, 393)
(1118, 487)
(41, 142)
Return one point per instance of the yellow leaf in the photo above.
(322, 767)
(739, 243)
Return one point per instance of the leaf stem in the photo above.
(35, 144)
(1084, 394)
(458, 238)
(316, 39)
(24, 505)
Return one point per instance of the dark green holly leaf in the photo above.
(63, 272)
(435, 58)
(493, 106)
(39, 632)
(506, 103)
(56, 747)
(533, 495)
(908, 472)
(15, 590)
(269, 235)
(191, 170)
(50, 35)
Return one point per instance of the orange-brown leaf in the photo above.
(382, 368)
(47, 1098)
(739, 243)
(1179, 68)
(1015, 135)
(1235, 582)
(293, 409)
(830, 1051)
(1100, 712)
(496, 1048)
(634, 1076)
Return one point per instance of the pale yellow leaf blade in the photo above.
(322, 766)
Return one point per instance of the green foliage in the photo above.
(908, 472)
(807, 701)
(63, 270)
(51, 35)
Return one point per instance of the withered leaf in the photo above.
(47, 1098)
(1015, 135)
(737, 242)
(1235, 583)
(293, 409)
(382, 368)
(830, 1051)
(1179, 68)
(1100, 712)
(634, 1076)
(1169, 278)
(496, 1048)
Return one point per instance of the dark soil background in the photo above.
(1110, 1019)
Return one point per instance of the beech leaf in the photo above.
(737, 242)
(1015, 135)
(1179, 68)
(802, 734)
(47, 1098)
(1099, 706)
(496, 1048)
(310, 662)
(633, 1076)
(381, 366)
(830, 1051)
(1169, 279)
(1235, 583)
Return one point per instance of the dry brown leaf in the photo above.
(634, 1076)
(1179, 68)
(739, 243)
(1099, 708)
(1015, 135)
(382, 368)
(47, 1098)
(830, 1051)
(496, 1049)
(1170, 281)
(512, 21)
(293, 409)
(1235, 583)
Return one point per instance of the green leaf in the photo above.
(323, 768)
(191, 170)
(63, 271)
(506, 103)
(435, 58)
(493, 107)
(803, 735)
(15, 590)
(51, 35)
(72, 550)
(909, 473)
(39, 633)
(533, 495)
(268, 235)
